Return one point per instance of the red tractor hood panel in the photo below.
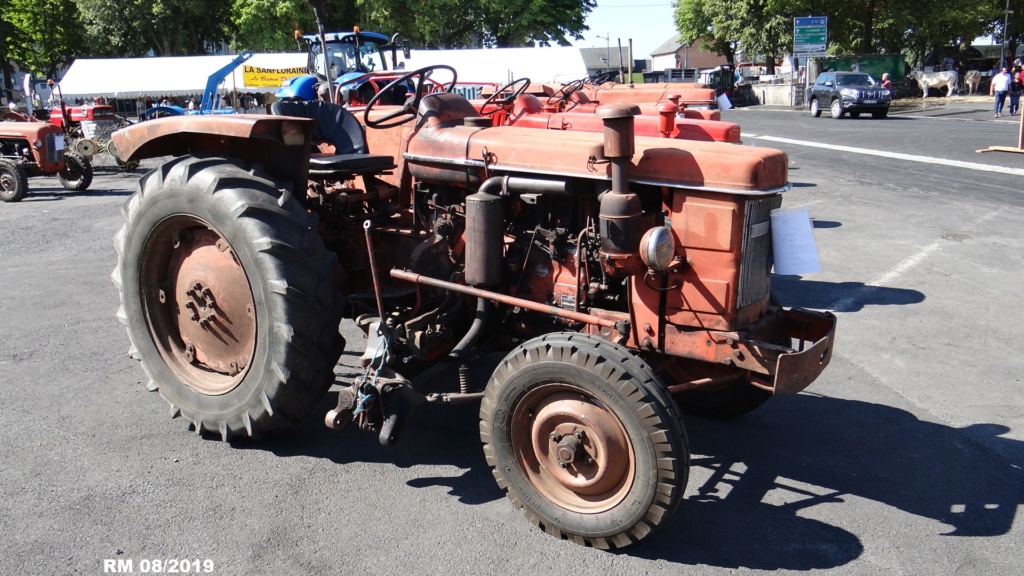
(670, 162)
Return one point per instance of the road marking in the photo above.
(896, 155)
(848, 303)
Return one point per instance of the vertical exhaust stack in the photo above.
(622, 219)
(484, 234)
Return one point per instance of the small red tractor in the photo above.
(602, 282)
(32, 148)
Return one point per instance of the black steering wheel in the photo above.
(563, 93)
(601, 78)
(500, 103)
(408, 110)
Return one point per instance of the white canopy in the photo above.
(502, 65)
(176, 76)
(264, 72)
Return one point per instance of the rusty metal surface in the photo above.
(198, 305)
(796, 370)
(280, 143)
(166, 136)
(576, 452)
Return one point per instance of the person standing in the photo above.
(999, 87)
(886, 82)
(1015, 91)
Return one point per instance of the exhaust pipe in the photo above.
(622, 220)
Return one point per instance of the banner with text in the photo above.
(256, 77)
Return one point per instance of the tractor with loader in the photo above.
(612, 281)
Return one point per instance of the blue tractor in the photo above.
(345, 61)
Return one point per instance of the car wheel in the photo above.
(880, 114)
(854, 115)
(837, 109)
(815, 109)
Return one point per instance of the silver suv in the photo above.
(849, 92)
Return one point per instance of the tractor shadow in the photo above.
(804, 451)
(845, 296)
(58, 193)
(751, 478)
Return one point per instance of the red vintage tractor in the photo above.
(32, 148)
(611, 281)
(513, 105)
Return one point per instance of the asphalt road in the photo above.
(905, 457)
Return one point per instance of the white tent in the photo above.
(176, 76)
(264, 72)
(502, 65)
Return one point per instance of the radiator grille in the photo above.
(755, 269)
(52, 154)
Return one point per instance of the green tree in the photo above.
(167, 27)
(693, 20)
(497, 23)
(270, 25)
(40, 36)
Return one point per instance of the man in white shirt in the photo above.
(999, 87)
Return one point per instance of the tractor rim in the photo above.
(198, 305)
(572, 448)
(72, 170)
(8, 182)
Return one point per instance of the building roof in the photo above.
(596, 58)
(670, 46)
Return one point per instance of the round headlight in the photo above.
(657, 248)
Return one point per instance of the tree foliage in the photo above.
(40, 36)
(167, 27)
(495, 23)
(765, 27)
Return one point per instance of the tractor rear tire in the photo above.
(585, 439)
(13, 181)
(77, 173)
(228, 295)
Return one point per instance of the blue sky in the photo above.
(648, 22)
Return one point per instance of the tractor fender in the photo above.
(280, 143)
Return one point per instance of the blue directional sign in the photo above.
(810, 21)
(810, 36)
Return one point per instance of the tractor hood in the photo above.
(453, 153)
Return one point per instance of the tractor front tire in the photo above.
(228, 295)
(77, 173)
(13, 181)
(585, 439)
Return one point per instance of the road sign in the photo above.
(810, 36)
(809, 39)
(811, 21)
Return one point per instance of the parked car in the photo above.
(849, 92)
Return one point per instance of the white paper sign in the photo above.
(58, 142)
(793, 246)
(723, 102)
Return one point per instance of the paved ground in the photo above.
(904, 458)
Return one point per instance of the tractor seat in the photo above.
(336, 125)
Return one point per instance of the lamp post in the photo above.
(1002, 46)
